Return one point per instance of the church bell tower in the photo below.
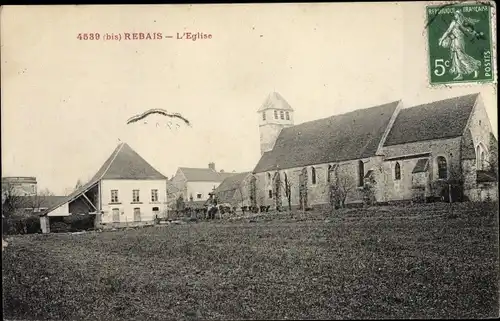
(274, 115)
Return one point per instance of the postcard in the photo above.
(250, 161)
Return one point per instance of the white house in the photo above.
(195, 184)
(125, 191)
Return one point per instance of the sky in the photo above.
(65, 102)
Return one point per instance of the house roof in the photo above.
(436, 120)
(204, 174)
(226, 190)
(275, 101)
(40, 201)
(337, 138)
(123, 163)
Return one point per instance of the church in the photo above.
(440, 150)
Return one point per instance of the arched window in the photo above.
(287, 116)
(480, 157)
(275, 114)
(397, 171)
(442, 168)
(328, 175)
(313, 175)
(282, 114)
(263, 115)
(361, 173)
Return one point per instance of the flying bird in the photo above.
(160, 112)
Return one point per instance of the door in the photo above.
(156, 212)
(137, 214)
(116, 215)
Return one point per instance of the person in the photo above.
(454, 38)
(212, 206)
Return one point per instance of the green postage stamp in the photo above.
(460, 43)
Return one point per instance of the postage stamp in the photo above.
(460, 43)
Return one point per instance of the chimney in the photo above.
(211, 166)
(222, 171)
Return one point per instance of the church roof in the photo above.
(436, 120)
(123, 163)
(275, 101)
(421, 166)
(337, 138)
(204, 174)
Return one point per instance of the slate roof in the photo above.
(232, 182)
(40, 201)
(123, 163)
(421, 166)
(275, 101)
(436, 120)
(226, 190)
(204, 174)
(337, 138)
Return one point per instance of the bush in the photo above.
(26, 225)
(60, 227)
(80, 222)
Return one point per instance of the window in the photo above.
(154, 195)
(116, 215)
(137, 214)
(361, 173)
(313, 175)
(442, 168)
(328, 175)
(263, 115)
(275, 114)
(397, 171)
(287, 116)
(198, 196)
(282, 114)
(135, 196)
(270, 193)
(480, 157)
(114, 196)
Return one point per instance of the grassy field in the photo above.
(387, 262)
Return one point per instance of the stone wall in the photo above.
(398, 190)
(317, 193)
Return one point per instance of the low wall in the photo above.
(107, 226)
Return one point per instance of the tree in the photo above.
(287, 187)
(78, 184)
(341, 184)
(19, 211)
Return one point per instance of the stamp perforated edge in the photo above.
(493, 27)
